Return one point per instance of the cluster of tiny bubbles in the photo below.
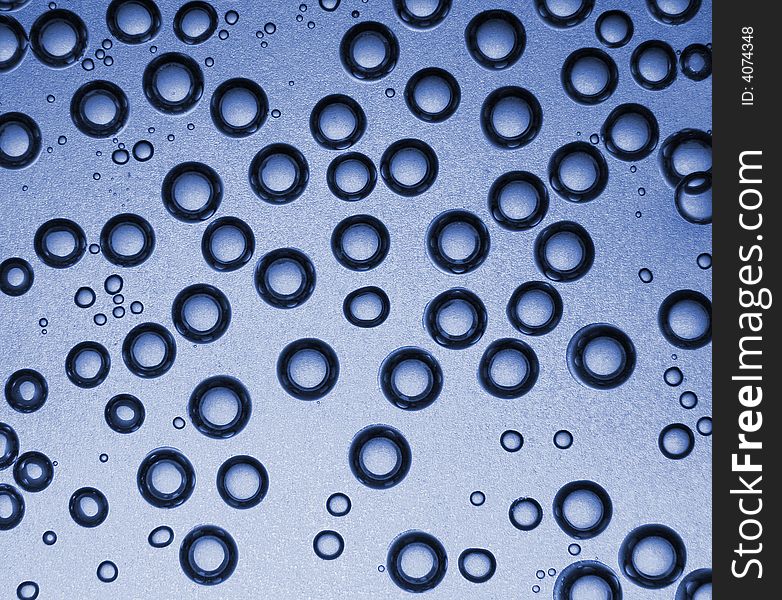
(509, 353)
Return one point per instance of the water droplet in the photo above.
(143, 150)
(120, 156)
(673, 376)
(329, 5)
(645, 275)
(563, 439)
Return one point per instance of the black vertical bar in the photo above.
(745, 132)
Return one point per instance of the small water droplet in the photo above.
(120, 156)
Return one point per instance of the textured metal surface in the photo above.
(455, 442)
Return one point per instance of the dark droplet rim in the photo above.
(112, 254)
(13, 394)
(556, 308)
(106, 89)
(541, 201)
(183, 466)
(187, 555)
(571, 574)
(17, 507)
(404, 457)
(249, 244)
(383, 243)
(243, 410)
(476, 329)
(23, 478)
(432, 167)
(691, 583)
(338, 143)
(328, 533)
(524, 526)
(112, 21)
(261, 101)
(53, 260)
(601, 178)
(564, 21)
(651, 124)
(134, 366)
(212, 203)
(693, 6)
(492, 565)
(601, 95)
(696, 50)
(417, 584)
(179, 17)
(437, 253)
(636, 536)
(196, 80)
(77, 512)
(19, 53)
(394, 395)
(6, 286)
(665, 311)
(618, 14)
(635, 65)
(519, 43)
(263, 482)
(329, 379)
(418, 110)
(385, 306)
(422, 22)
(385, 66)
(162, 529)
(523, 386)
(11, 445)
(535, 117)
(34, 140)
(585, 241)
(73, 356)
(296, 189)
(331, 176)
(690, 441)
(80, 31)
(113, 420)
(185, 329)
(576, 356)
(275, 298)
(597, 528)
